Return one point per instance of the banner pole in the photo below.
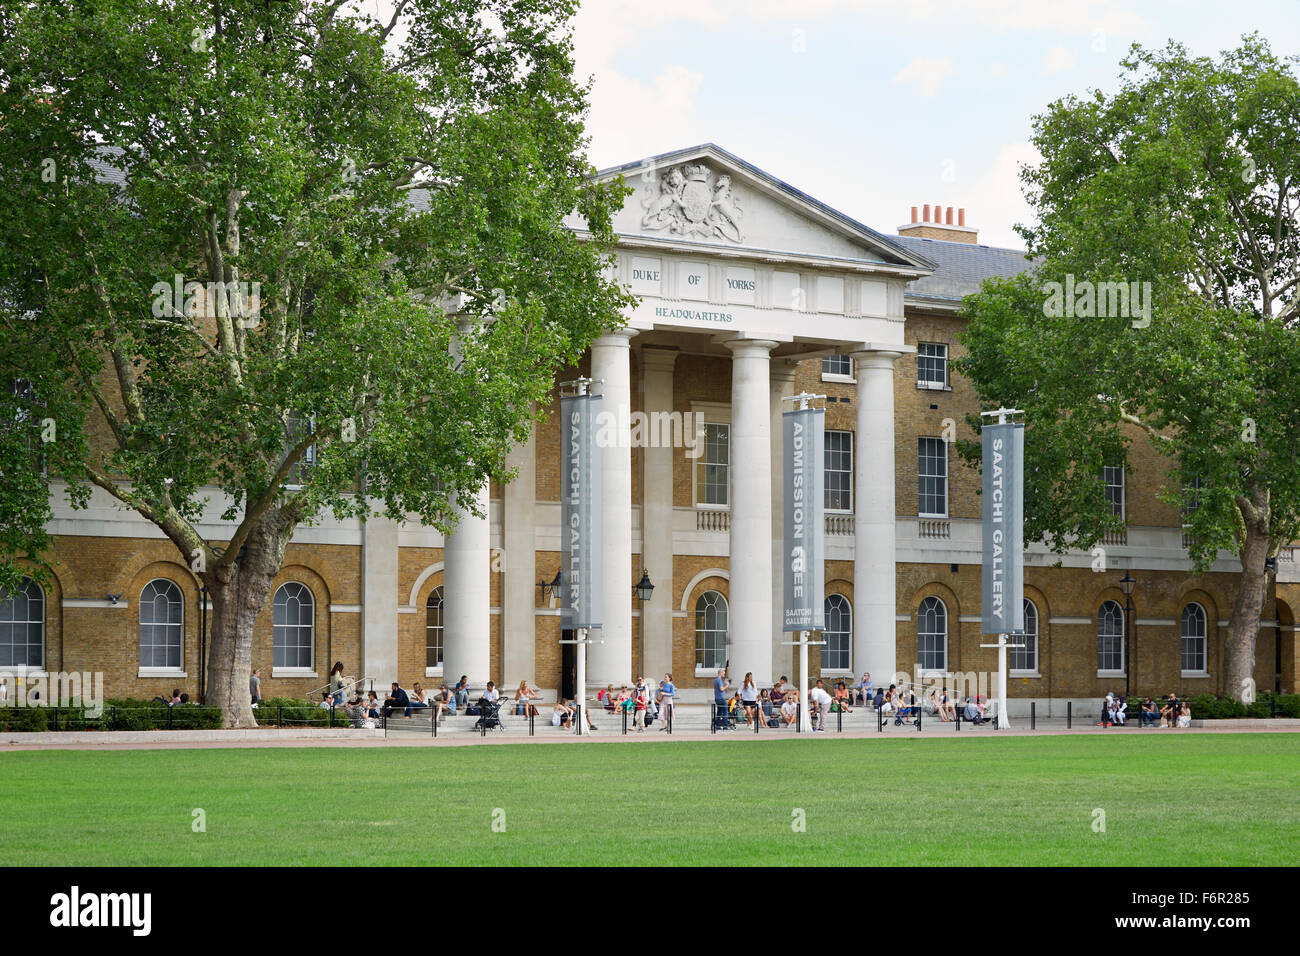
(581, 689)
(805, 721)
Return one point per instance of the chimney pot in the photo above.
(926, 212)
(961, 217)
(913, 214)
(949, 215)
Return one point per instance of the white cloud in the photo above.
(1056, 59)
(926, 75)
(997, 203)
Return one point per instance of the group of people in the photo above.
(1169, 712)
(640, 703)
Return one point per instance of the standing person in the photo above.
(820, 702)
(749, 697)
(255, 686)
(642, 702)
(720, 685)
(337, 683)
(667, 695)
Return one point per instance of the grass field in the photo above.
(1176, 798)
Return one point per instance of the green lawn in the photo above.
(1168, 798)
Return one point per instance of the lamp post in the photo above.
(644, 588)
(1127, 582)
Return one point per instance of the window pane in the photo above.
(932, 477)
(837, 365)
(1113, 476)
(713, 467)
(932, 363)
(1194, 629)
(433, 629)
(294, 630)
(838, 471)
(932, 635)
(710, 630)
(1110, 637)
(1026, 658)
(22, 626)
(162, 624)
(837, 633)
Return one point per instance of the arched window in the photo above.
(433, 629)
(710, 630)
(22, 626)
(836, 633)
(162, 624)
(932, 635)
(1026, 658)
(294, 631)
(1110, 638)
(1194, 630)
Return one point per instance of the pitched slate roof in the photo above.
(961, 267)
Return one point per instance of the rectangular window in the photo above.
(713, 468)
(839, 471)
(932, 478)
(1113, 476)
(931, 365)
(839, 365)
(298, 427)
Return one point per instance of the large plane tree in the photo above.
(287, 256)
(1164, 303)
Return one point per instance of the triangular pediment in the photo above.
(706, 198)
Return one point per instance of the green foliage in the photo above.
(279, 143)
(297, 713)
(1187, 178)
(120, 713)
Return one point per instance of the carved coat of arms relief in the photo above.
(691, 200)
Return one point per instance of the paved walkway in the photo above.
(460, 735)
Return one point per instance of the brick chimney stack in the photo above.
(941, 227)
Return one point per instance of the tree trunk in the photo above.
(238, 593)
(1239, 656)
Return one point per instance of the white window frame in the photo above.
(295, 671)
(154, 671)
(920, 476)
(927, 384)
(848, 637)
(25, 669)
(942, 670)
(1123, 648)
(1036, 670)
(852, 466)
(436, 671)
(1204, 638)
(711, 413)
(702, 669)
(849, 379)
(1106, 475)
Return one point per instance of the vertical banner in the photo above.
(1003, 605)
(580, 532)
(805, 527)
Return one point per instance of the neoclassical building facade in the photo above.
(750, 291)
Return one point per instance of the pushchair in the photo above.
(489, 716)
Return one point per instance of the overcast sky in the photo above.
(873, 106)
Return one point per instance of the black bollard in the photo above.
(1033, 715)
(1069, 714)
(839, 720)
(957, 710)
(532, 715)
(880, 720)
(624, 709)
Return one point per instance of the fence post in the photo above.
(331, 713)
(758, 716)
(1033, 715)
(1069, 714)
(279, 715)
(713, 718)
(624, 710)
(532, 711)
(170, 709)
(957, 711)
(798, 717)
(839, 719)
(880, 720)
(919, 709)
(112, 717)
(434, 720)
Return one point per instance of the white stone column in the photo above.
(378, 603)
(519, 566)
(874, 578)
(783, 372)
(749, 623)
(657, 511)
(611, 365)
(467, 593)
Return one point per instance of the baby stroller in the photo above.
(489, 716)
